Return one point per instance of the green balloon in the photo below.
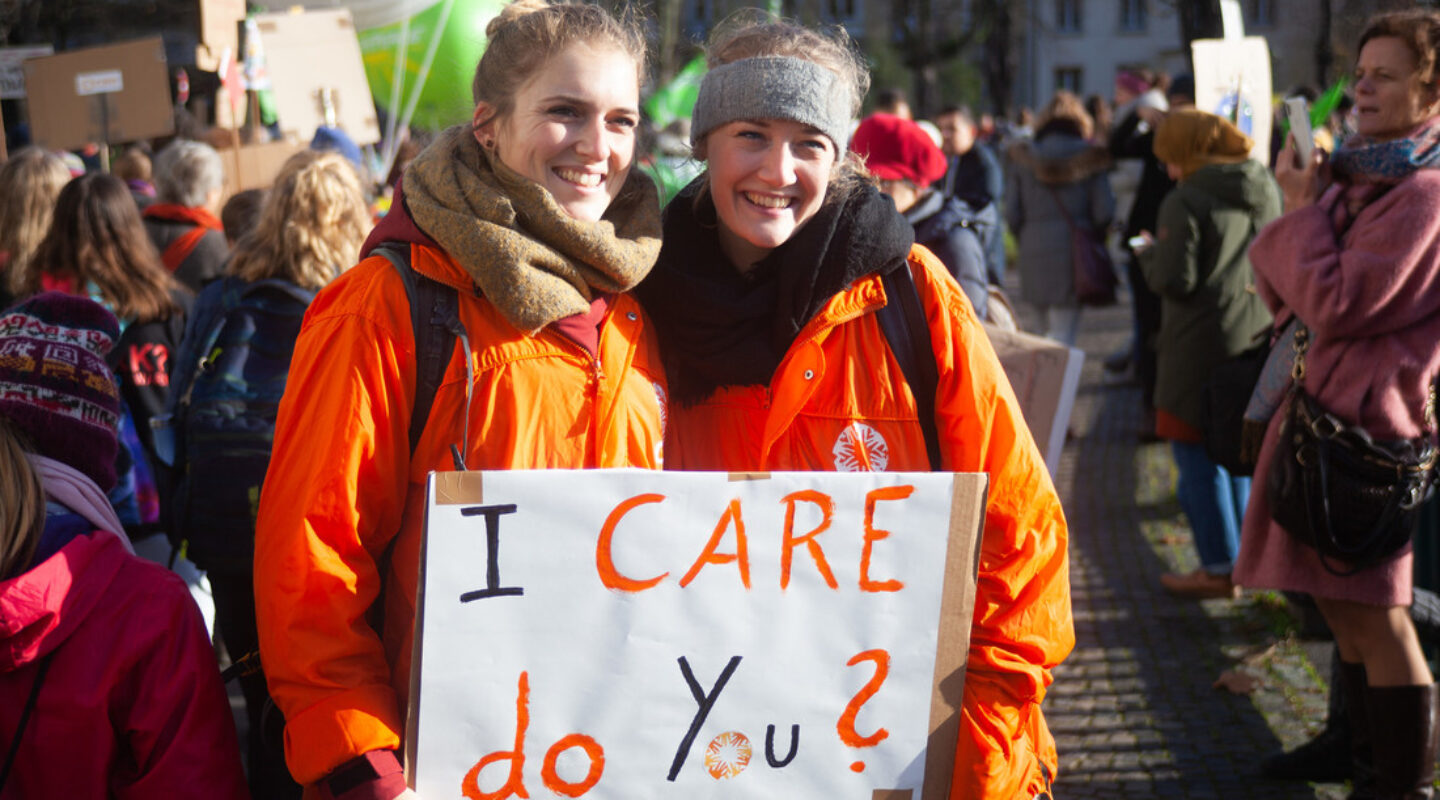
(444, 99)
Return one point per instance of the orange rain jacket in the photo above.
(342, 482)
(838, 401)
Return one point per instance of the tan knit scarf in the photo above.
(530, 258)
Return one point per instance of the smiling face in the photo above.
(1389, 98)
(767, 178)
(572, 129)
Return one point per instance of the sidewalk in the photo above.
(1134, 709)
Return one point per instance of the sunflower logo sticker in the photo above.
(727, 755)
(861, 448)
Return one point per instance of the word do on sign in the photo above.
(628, 633)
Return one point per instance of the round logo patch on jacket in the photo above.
(860, 448)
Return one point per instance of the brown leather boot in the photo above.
(1405, 739)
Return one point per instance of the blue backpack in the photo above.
(224, 421)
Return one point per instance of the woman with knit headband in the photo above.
(1210, 312)
(532, 214)
(1356, 258)
(775, 264)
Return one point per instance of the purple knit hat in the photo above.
(55, 386)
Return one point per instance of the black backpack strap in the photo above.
(25, 712)
(435, 319)
(907, 331)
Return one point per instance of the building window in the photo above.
(844, 12)
(1133, 15)
(1262, 12)
(1067, 16)
(1068, 78)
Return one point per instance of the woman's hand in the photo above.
(1300, 183)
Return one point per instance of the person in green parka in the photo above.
(1197, 262)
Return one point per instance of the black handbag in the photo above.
(1352, 499)
(1224, 398)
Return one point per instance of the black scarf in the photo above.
(718, 327)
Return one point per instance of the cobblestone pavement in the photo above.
(1134, 709)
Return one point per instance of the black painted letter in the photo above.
(492, 553)
(706, 703)
(770, 746)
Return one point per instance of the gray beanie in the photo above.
(774, 87)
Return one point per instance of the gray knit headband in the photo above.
(774, 87)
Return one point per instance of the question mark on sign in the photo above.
(846, 725)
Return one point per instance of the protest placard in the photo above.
(1232, 79)
(1045, 376)
(219, 31)
(114, 93)
(12, 77)
(632, 633)
(317, 74)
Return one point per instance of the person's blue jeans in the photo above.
(1214, 502)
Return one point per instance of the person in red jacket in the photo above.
(108, 683)
(532, 214)
(765, 295)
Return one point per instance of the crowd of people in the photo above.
(218, 409)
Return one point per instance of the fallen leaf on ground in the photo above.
(1237, 682)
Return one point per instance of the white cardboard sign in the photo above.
(1232, 79)
(12, 76)
(100, 82)
(631, 633)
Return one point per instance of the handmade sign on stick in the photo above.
(631, 633)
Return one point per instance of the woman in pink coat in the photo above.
(1358, 261)
(108, 684)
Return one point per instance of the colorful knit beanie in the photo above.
(1190, 139)
(55, 385)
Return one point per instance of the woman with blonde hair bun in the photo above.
(531, 220)
(29, 183)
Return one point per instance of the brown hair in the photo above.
(29, 183)
(752, 33)
(1418, 28)
(132, 165)
(97, 238)
(1066, 107)
(528, 33)
(22, 504)
(312, 224)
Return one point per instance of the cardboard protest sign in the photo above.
(258, 164)
(12, 77)
(114, 93)
(219, 31)
(317, 75)
(1232, 79)
(632, 633)
(1045, 376)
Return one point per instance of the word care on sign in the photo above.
(641, 634)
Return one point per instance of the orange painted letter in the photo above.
(515, 784)
(872, 536)
(564, 788)
(846, 726)
(742, 548)
(605, 564)
(790, 542)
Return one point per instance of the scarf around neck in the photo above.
(719, 327)
(1364, 160)
(530, 258)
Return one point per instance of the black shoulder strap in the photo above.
(434, 317)
(907, 331)
(25, 716)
